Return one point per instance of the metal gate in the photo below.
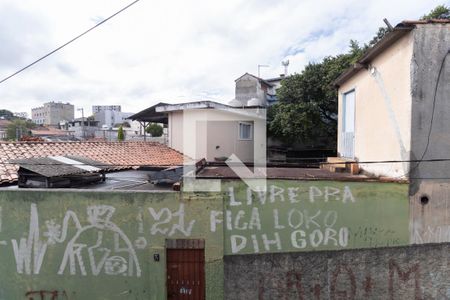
(185, 269)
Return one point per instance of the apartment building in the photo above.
(52, 113)
(99, 108)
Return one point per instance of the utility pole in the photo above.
(83, 133)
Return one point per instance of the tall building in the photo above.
(99, 108)
(52, 113)
(109, 115)
(251, 90)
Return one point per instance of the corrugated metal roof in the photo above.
(150, 115)
(61, 166)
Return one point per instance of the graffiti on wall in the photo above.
(97, 246)
(46, 295)
(408, 272)
(402, 281)
(93, 238)
(431, 234)
(297, 216)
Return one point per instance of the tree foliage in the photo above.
(6, 114)
(19, 128)
(120, 134)
(154, 129)
(439, 12)
(378, 36)
(307, 107)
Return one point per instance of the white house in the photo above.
(215, 131)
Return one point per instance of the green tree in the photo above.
(439, 12)
(307, 110)
(19, 128)
(307, 107)
(378, 36)
(6, 114)
(154, 129)
(120, 134)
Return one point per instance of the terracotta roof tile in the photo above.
(120, 154)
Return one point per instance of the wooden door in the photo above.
(185, 273)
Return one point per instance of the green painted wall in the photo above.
(110, 259)
(100, 245)
(314, 215)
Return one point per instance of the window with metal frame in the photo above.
(245, 131)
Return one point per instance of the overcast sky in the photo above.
(173, 50)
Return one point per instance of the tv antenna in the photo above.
(259, 69)
(285, 65)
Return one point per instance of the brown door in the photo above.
(185, 270)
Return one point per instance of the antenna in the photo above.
(285, 65)
(259, 69)
(389, 26)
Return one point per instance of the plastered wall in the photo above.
(312, 216)
(382, 110)
(429, 189)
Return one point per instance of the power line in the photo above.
(69, 42)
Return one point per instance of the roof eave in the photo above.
(389, 39)
(149, 115)
(190, 105)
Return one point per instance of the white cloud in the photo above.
(173, 50)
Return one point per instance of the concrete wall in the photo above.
(415, 272)
(111, 117)
(100, 245)
(430, 220)
(58, 112)
(382, 111)
(175, 131)
(248, 87)
(431, 53)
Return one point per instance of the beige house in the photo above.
(394, 119)
(389, 99)
(215, 131)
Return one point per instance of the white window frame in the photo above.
(251, 131)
